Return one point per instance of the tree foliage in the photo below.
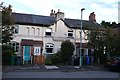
(7, 52)
(67, 49)
(7, 22)
(105, 42)
(56, 58)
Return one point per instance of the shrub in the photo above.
(56, 59)
(67, 49)
(48, 61)
(7, 52)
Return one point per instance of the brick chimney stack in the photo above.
(59, 15)
(92, 17)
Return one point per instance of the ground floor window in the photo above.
(37, 50)
(15, 46)
(49, 47)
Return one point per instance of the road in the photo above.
(81, 74)
(61, 72)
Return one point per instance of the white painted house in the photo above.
(37, 36)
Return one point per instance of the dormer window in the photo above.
(48, 32)
(70, 33)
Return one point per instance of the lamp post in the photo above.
(80, 63)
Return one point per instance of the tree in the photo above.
(104, 41)
(7, 22)
(112, 39)
(96, 39)
(67, 49)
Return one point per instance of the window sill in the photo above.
(47, 36)
(49, 53)
(71, 37)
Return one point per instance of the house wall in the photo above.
(59, 34)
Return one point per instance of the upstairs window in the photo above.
(48, 32)
(27, 30)
(33, 30)
(70, 33)
(15, 29)
(38, 31)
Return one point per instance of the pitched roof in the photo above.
(31, 19)
(75, 23)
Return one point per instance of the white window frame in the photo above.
(48, 30)
(38, 30)
(15, 29)
(70, 32)
(16, 46)
(37, 50)
(48, 46)
(28, 30)
(33, 31)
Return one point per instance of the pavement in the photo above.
(52, 68)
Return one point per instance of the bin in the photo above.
(13, 60)
(87, 60)
(18, 60)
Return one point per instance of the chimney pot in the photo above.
(52, 14)
(52, 11)
(58, 10)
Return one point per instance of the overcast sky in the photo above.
(104, 9)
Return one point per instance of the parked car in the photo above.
(113, 64)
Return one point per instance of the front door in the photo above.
(26, 54)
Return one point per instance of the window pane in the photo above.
(48, 33)
(49, 50)
(48, 30)
(70, 34)
(47, 45)
(17, 47)
(27, 31)
(16, 29)
(38, 31)
(70, 31)
(33, 30)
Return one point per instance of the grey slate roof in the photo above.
(47, 21)
(33, 19)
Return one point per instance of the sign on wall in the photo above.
(37, 50)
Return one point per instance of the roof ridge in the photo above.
(30, 14)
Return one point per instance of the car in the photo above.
(113, 64)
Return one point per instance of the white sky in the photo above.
(104, 9)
